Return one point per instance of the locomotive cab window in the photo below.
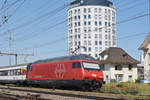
(76, 65)
(91, 66)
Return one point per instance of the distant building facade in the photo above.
(118, 66)
(92, 26)
(146, 48)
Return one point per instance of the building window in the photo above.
(89, 42)
(75, 43)
(85, 49)
(95, 10)
(79, 24)
(85, 30)
(89, 36)
(75, 30)
(100, 23)
(79, 30)
(89, 23)
(96, 35)
(120, 77)
(100, 42)
(78, 17)
(79, 43)
(106, 43)
(96, 55)
(105, 23)
(89, 16)
(75, 17)
(130, 67)
(75, 11)
(89, 49)
(89, 29)
(95, 29)
(96, 43)
(100, 29)
(85, 36)
(130, 78)
(118, 68)
(95, 23)
(100, 10)
(95, 17)
(85, 23)
(106, 36)
(89, 10)
(78, 11)
(79, 37)
(85, 43)
(84, 10)
(75, 24)
(96, 49)
(75, 36)
(84, 16)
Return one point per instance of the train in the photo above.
(78, 71)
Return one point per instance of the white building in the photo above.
(146, 48)
(91, 26)
(118, 66)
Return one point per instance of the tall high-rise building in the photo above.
(91, 26)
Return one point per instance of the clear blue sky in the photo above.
(34, 25)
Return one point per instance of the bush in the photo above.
(121, 88)
(138, 80)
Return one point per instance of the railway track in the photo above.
(18, 93)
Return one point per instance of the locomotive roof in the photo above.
(66, 58)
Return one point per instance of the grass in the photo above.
(130, 90)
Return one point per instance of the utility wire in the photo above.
(62, 39)
(3, 5)
(123, 21)
(12, 13)
(131, 7)
(121, 38)
(8, 7)
(34, 34)
(133, 35)
(40, 17)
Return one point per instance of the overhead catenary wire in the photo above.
(55, 11)
(36, 34)
(51, 14)
(121, 38)
(9, 6)
(62, 39)
(131, 7)
(12, 13)
(5, 1)
(120, 22)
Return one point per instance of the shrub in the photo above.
(121, 88)
(138, 80)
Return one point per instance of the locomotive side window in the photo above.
(76, 65)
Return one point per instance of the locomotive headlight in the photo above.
(94, 75)
(100, 77)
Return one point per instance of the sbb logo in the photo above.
(60, 70)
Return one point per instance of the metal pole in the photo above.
(10, 40)
(149, 16)
(16, 58)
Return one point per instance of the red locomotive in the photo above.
(81, 71)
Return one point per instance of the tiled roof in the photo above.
(145, 43)
(118, 56)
